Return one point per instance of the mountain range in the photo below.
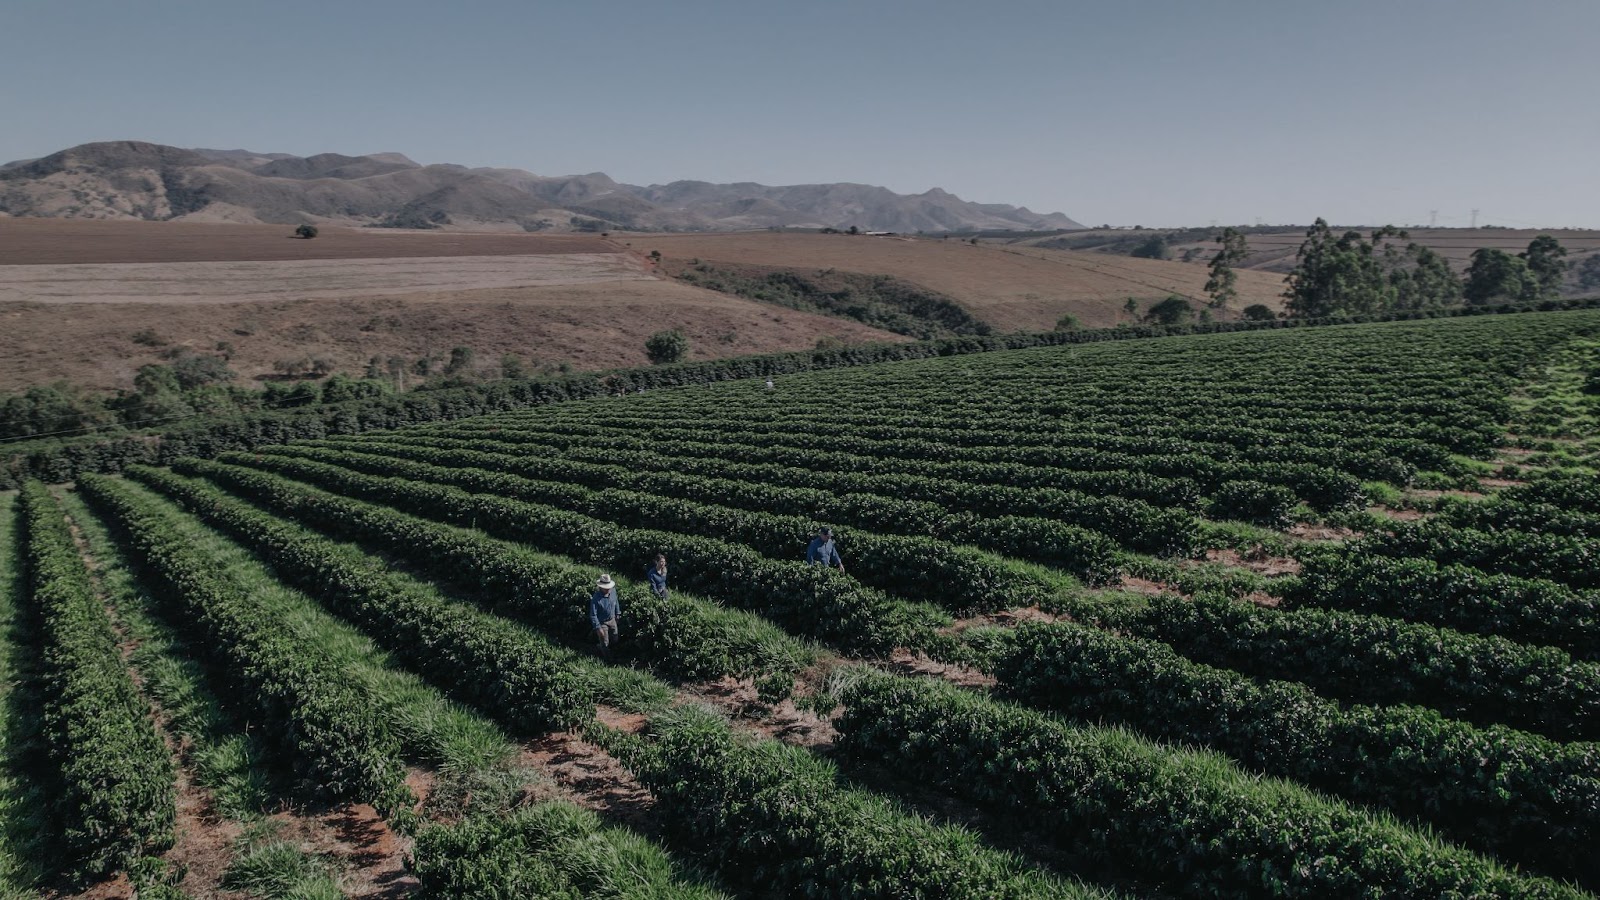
(138, 180)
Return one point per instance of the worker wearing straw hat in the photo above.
(603, 612)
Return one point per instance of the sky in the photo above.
(1152, 112)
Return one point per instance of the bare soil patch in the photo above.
(1259, 562)
(1009, 287)
(592, 778)
(1008, 618)
(36, 241)
(905, 662)
(1309, 532)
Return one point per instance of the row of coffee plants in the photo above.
(773, 819)
(1388, 459)
(1374, 659)
(321, 720)
(1063, 546)
(809, 600)
(509, 672)
(1505, 510)
(1461, 597)
(1182, 481)
(1525, 798)
(1572, 561)
(552, 849)
(114, 798)
(61, 459)
(683, 635)
(1133, 523)
(958, 578)
(21, 804)
(1184, 824)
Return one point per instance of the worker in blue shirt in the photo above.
(822, 552)
(657, 576)
(603, 612)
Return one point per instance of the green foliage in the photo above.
(225, 758)
(192, 371)
(1486, 680)
(1497, 276)
(1547, 265)
(1068, 322)
(115, 780)
(1221, 285)
(306, 232)
(667, 347)
(812, 600)
(1522, 797)
(961, 579)
(1589, 272)
(323, 722)
(341, 388)
(772, 817)
(487, 661)
(1153, 247)
(876, 300)
(1181, 823)
(1172, 311)
(273, 868)
(48, 409)
(1352, 275)
(1258, 312)
(59, 460)
(553, 849)
(683, 635)
(461, 360)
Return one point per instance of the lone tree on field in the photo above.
(1172, 311)
(1221, 285)
(1259, 312)
(306, 231)
(667, 347)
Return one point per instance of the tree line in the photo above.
(1353, 274)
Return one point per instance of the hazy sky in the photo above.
(1121, 111)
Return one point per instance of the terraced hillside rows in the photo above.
(1306, 613)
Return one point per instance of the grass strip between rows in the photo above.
(322, 720)
(115, 777)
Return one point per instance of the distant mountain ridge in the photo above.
(139, 180)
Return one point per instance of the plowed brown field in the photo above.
(26, 241)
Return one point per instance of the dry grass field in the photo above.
(1010, 287)
(92, 286)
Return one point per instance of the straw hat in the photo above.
(605, 583)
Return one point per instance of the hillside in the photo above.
(348, 296)
(1012, 288)
(138, 180)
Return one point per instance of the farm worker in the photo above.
(657, 576)
(822, 552)
(769, 382)
(603, 612)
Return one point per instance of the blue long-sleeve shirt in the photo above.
(658, 582)
(822, 552)
(603, 607)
